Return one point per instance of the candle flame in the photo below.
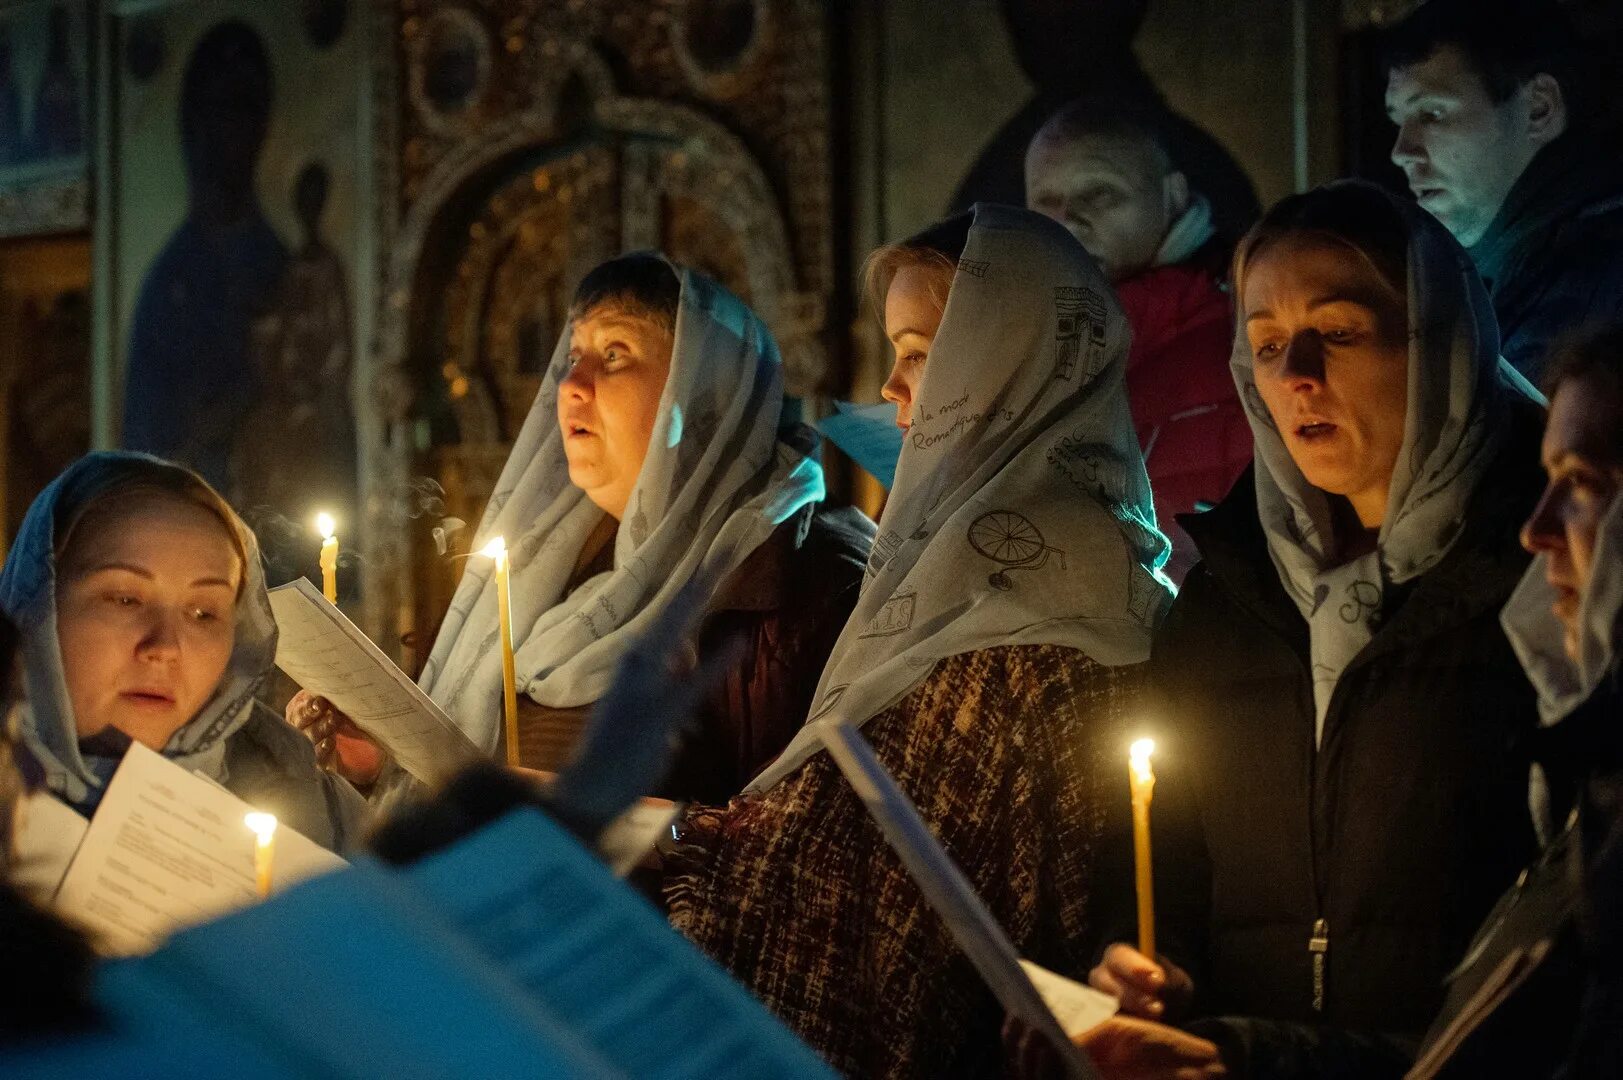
(325, 525)
(1138, 757)
(262, 825)
(495, 548)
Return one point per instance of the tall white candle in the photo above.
(1142, 780)
(497, 550)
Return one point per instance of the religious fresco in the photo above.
(529, 140)
(45, 100)
(45, 329)
(236, 134)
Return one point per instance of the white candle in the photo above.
(1142, 780)
(329, 557)
(497, 550)
(264, 830)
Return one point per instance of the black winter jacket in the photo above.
(1552, 258)
(1598, 1044)
(1325, 894)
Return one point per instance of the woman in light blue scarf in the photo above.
(141, 604)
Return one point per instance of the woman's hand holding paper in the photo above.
(1121, 1048)
(341, 747)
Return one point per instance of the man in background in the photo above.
(1499, 141)
(1101, 168)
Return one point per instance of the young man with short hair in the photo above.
(1497, 140)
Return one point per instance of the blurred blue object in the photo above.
(514, 953)
(868, 435)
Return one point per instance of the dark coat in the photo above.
(1598, 1044)
(783, 607)
(1399, 832)
(1553, 256)
(1540, 992)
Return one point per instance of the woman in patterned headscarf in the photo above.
(659, 450)
(992, 661)
(1340, 802)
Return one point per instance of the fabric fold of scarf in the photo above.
(1188, 234)
(1537, 635)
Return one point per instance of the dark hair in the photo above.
(1352, 213)
(1593, 353)
(1506, 42)
(937, 248)
(1101, 116)
(642, 282)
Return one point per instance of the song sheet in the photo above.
(951, 894)
(167, 848)
(322, 651)
(49, 834)
(596, 955)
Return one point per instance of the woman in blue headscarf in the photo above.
(141, 605)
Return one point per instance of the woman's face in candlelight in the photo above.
(913, 309)
(1583, 460)
(609, 401)
(146, 601)
(1329, 344)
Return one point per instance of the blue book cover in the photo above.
(515, 953)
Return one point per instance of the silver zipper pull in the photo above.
(1319, 946)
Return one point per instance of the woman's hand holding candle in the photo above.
(1154, 989)
(340, 746)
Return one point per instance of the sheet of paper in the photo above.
(632, 835)
(322, 651)
(50, 833)
(168, 849)
(599, 957)
(1079, 1008)
(949, 892)
(868, 435)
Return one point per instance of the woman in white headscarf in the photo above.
(1341, 800)
(992, 662)
(141, 606)
(659, 445)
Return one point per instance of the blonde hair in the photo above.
(886, 262)
(936, 249)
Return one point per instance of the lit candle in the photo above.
(1142, 779)
(329, 557)
(264, 830)
(497, 550)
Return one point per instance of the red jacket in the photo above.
(1189, 420)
